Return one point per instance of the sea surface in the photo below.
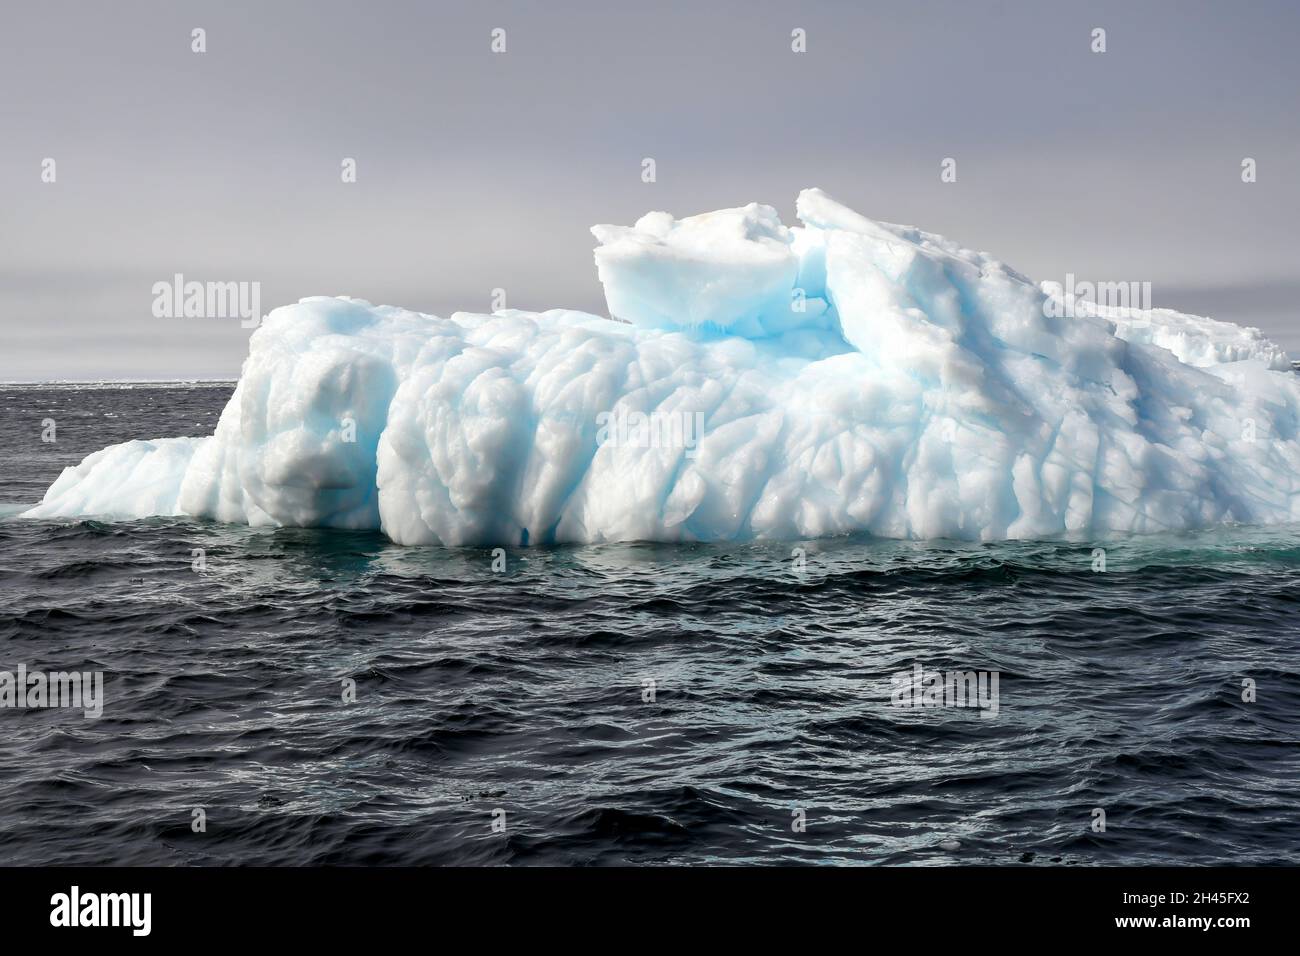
(628, 704)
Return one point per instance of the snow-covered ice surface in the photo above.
(1193, 339)
(845, 376)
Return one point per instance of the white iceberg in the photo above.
(765, 382)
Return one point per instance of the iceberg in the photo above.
(753, 380)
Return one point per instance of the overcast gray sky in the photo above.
(479, 170)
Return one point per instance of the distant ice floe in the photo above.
(764, 382)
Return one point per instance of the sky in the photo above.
(478, 170)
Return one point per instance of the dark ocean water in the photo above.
(524, 691)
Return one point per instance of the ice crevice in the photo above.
(851, 376)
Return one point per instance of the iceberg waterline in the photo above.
(841, 376)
